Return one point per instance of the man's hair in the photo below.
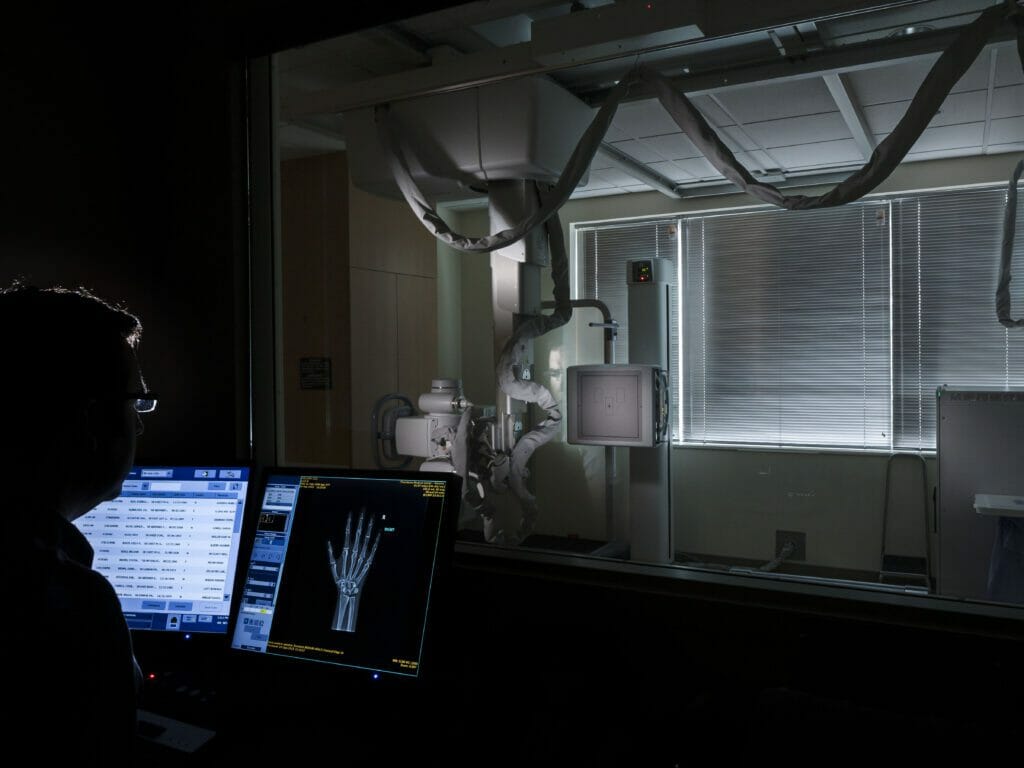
(58, 346)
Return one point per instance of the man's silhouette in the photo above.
(69, 382)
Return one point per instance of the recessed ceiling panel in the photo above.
(819, 155)
(895, 82)
(672, 146)
(1007, 130)
(698, 168)
(736, 138)
(615, 134)
(797, 130)
(670, 170)
(638, 151)
(957, 108)
(950, 137)
(1008, 67)
(773, 101)
(644, 118)
(618, 177)
(1008, 101)
(711, 110)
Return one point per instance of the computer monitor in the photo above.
(169, 545)
(343, 567)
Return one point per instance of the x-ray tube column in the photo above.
(650, 496)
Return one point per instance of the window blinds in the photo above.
(786, 320)
(945, 269)
(824, 328)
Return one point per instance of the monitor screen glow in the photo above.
(342, 567)
(169, 545)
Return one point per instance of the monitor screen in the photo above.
(342, 567)
(169, 545)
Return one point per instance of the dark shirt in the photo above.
(74, 675)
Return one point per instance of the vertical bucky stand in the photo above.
(650, 496)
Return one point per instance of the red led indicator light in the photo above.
(152, 676)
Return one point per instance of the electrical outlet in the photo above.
(799, 539)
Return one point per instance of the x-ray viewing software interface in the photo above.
(341, 570)
(169, 545)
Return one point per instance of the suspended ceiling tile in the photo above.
(711, 110)
(882, 118)
(824, 154)
(976, 76)
(755, 159)
(672, 146)
(957, 108)
(736, 139)
(1006, 130)
(699, 168)
(1008, 67)
(965, 107)
(617, 177)
(773, 101)
(638, 151)
(670, 170)
(644, 118)
(614, 133)
(1008, 101)
(950, 137)
(799, 130)
(900, 82)
(893, 83)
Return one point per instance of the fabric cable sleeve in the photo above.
(580, 160)
(532, 391)
(949, 68)
(1006, 257)
(944, 74)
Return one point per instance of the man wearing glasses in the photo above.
(71, 395)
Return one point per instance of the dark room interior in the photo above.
(132, 170)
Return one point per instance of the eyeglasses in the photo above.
(142, 402)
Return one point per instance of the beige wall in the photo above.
(394, 323)
(726, 503)
(315, 308)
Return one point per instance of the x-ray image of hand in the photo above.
(350, 573)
